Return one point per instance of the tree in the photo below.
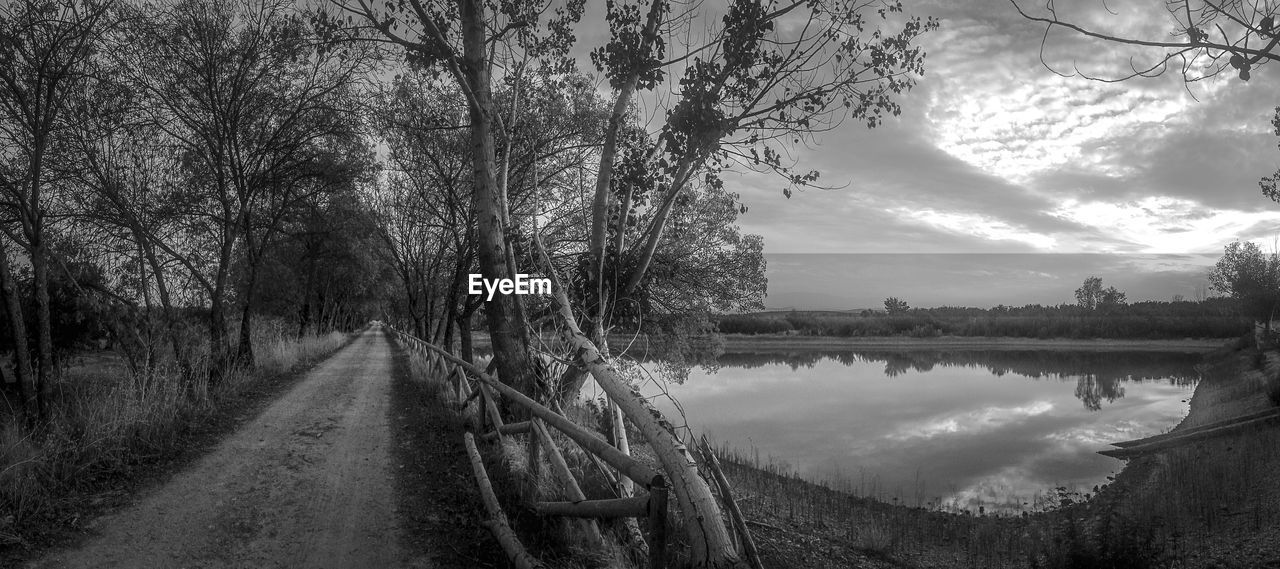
(1271, 184)
(1253, 280)
(893, 305)
(1091, 295)
(257, 109)
(46, 48)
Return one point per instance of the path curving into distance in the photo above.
(308, 483)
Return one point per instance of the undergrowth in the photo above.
(107, 421)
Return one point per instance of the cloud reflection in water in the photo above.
(968, 428)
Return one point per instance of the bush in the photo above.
(747, 324)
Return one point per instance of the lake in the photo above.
(948, 429)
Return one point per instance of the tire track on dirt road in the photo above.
(308, 483)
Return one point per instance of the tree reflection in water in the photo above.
(1099, 375)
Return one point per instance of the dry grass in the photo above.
(106, 421)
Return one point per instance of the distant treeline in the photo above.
(1211, 318)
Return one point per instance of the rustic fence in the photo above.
(486, 419)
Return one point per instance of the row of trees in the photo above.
(1249, 278)
(1212, 318)
(202, 156)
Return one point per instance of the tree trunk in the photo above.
(219, 351)
(44, 327)
(600, 201)
(709, 540)
(21, 351)
(507, 324)
(683, 172)
(245, 352)
(172, 325)
(464, 337)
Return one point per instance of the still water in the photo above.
(956, 430)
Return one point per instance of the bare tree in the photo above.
(45, 52)
(254, 103)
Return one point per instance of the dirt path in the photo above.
(306, 484)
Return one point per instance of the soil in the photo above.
(308, 482)
(103, 490)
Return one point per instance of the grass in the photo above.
(108, 423)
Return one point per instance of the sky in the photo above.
(1003, 183)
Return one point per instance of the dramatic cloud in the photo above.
(995, 153)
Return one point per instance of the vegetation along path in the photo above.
(308, 483)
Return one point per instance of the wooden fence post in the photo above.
(658, 526)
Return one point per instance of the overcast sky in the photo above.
(1138, 182)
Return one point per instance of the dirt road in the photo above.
(306, 484)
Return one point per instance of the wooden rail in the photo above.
(487, 421)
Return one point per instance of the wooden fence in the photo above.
(486, 419)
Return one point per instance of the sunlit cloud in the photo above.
(976, 225)
(1162, 224)
(1001, 111)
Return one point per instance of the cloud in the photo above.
(969, 423)
(1161, 224)
(994, 153)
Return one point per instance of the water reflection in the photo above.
(1098, 375)
(960, 428)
